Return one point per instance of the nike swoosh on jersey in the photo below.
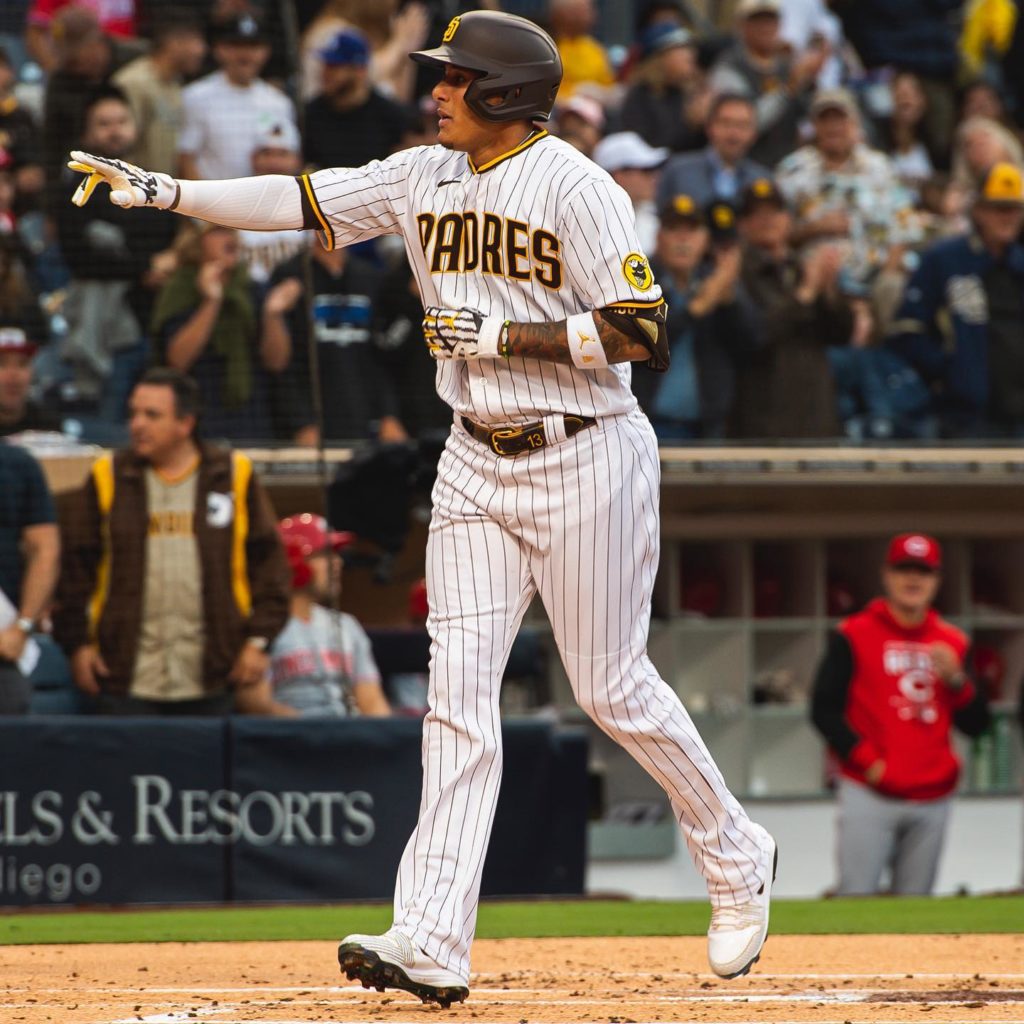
(448, 181)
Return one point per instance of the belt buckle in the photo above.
(535, 439)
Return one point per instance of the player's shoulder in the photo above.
(580, 173)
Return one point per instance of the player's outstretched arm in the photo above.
(269, 202)
(629, 332)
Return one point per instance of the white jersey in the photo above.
(535, 235)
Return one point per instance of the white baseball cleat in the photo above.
(392, 961)
(736, 934)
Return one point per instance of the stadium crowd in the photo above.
(830, 193)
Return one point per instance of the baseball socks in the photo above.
(391, 961)
(737, 933)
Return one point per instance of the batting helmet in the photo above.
(306, 535)
(519, 66)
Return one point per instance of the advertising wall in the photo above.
(179, 810)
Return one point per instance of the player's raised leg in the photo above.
(479, 587)
(595, 573)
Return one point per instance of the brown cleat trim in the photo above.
(363, 965)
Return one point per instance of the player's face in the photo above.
(910, 589)
(155, 427)
(325, 569)
(15, 380)
(457, 126)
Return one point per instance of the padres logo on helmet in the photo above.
(518, 64)
(453, 27)
(637, 271)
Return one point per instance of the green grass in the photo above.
(515, 920)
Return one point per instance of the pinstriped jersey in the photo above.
(535, 235)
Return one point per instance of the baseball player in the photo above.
(537, 298)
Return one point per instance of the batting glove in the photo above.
(462, 333)
(129, 185)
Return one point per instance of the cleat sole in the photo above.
(359, 963)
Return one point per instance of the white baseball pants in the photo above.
(576, 521)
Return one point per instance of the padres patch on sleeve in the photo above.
(637, 271)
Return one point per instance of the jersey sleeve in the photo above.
(364, 668)
(351, 204)
(604, 262)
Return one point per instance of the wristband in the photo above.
(489, 337)
(585, 343)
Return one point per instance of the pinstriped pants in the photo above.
(576, 522)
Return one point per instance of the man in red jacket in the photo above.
(888, 691)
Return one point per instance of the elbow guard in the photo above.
(645, 322)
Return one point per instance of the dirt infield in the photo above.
(821, 979)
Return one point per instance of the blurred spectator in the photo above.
(580, 121)
(225, 111)
(979, 144)
(344, 289)
(393, 30)
(843, 191)
(153, 85)
(584, 59)
(979, 98)
(321, 664)
(666, 102)
(710, 327)
(887, 693)
(410, 406)
(808, 25)
(278, 151)
(909, 35)
(205, 324)
(349, 123)
(961, 324)
(173, 582)
(779, 83)
(634, 165)
(902, 135)
(18, 299)
(722, 170)
(784, 387)
(19, 138)
(45, 25)
(17, 411)
(29, 560)
(86, 58)
(117, 258)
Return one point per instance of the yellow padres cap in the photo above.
(1002, 184)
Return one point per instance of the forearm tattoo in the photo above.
(549, 341)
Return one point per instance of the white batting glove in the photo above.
(129, 185)
(462, 333)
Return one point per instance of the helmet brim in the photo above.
(445, 56)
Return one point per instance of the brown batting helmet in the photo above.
(518, 62)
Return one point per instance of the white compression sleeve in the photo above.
(268, 202)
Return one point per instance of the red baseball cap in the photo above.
(914, 549)
(311, 534)
(14, 339)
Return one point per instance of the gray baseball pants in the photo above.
(876, 832)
